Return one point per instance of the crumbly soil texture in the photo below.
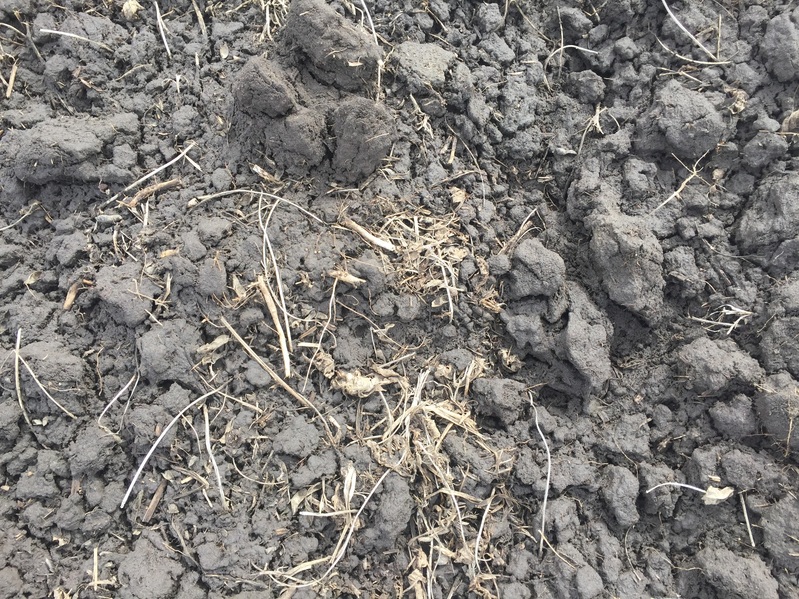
(438, 299)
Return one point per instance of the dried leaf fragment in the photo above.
(714, 495)
(213, 345)
(356, 384)
(346, 277)
(325, 364)
(130, 9)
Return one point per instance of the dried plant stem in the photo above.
(105, 47)
(683, 485)
(19, 359)
(193, 203)
(338, 552)
(158, 441)
(482, 527)
(746, 518)
(17, 383)
(276, 269)
(331, 314)
(370, 237)
(200, 18)
(693, 173)
(549, 476)
(25, 215)
(353, 525)
(213, 459)
(276, 377)
(11, 79)
(154, 501)
(691, 60)
(162, 29)
(153, 173)
(688, 33)
(560, 50)
(269, 300)
(134, 380)
(380, 63)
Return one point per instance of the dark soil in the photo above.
(372, 275)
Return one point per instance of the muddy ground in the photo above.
(370, 304)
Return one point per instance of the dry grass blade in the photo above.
(276, 377)
(746, 518)
(331, 314)
(269, 300)
(162, 29)
(267, 244)
(213, 459)
(380, 64)
(688, 33)
(549, 476)
(693, 172)
(486, 511)
(17, 382)
(25, 215)
(368, 236)
(41, 387)
(105, 47)
(335, 557)
(134, 380)
(200, 18)
(158, 441)
(11, 79)
(153, 173)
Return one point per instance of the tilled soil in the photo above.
(368, 307)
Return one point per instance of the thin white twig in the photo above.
(39, 384)
(380, 63)
(331, 311)
(134, 378)
(152, 174)
(746, 518)
(367, 235)
(162, 29)
(158, 441)
(213, 459)
(278, 281)
(549, 476)
(263, 194)
(688, 33)
(482, 527)
(27, 213)
(105, 47)
(20, 400)
(353, 526)
(693, 488)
